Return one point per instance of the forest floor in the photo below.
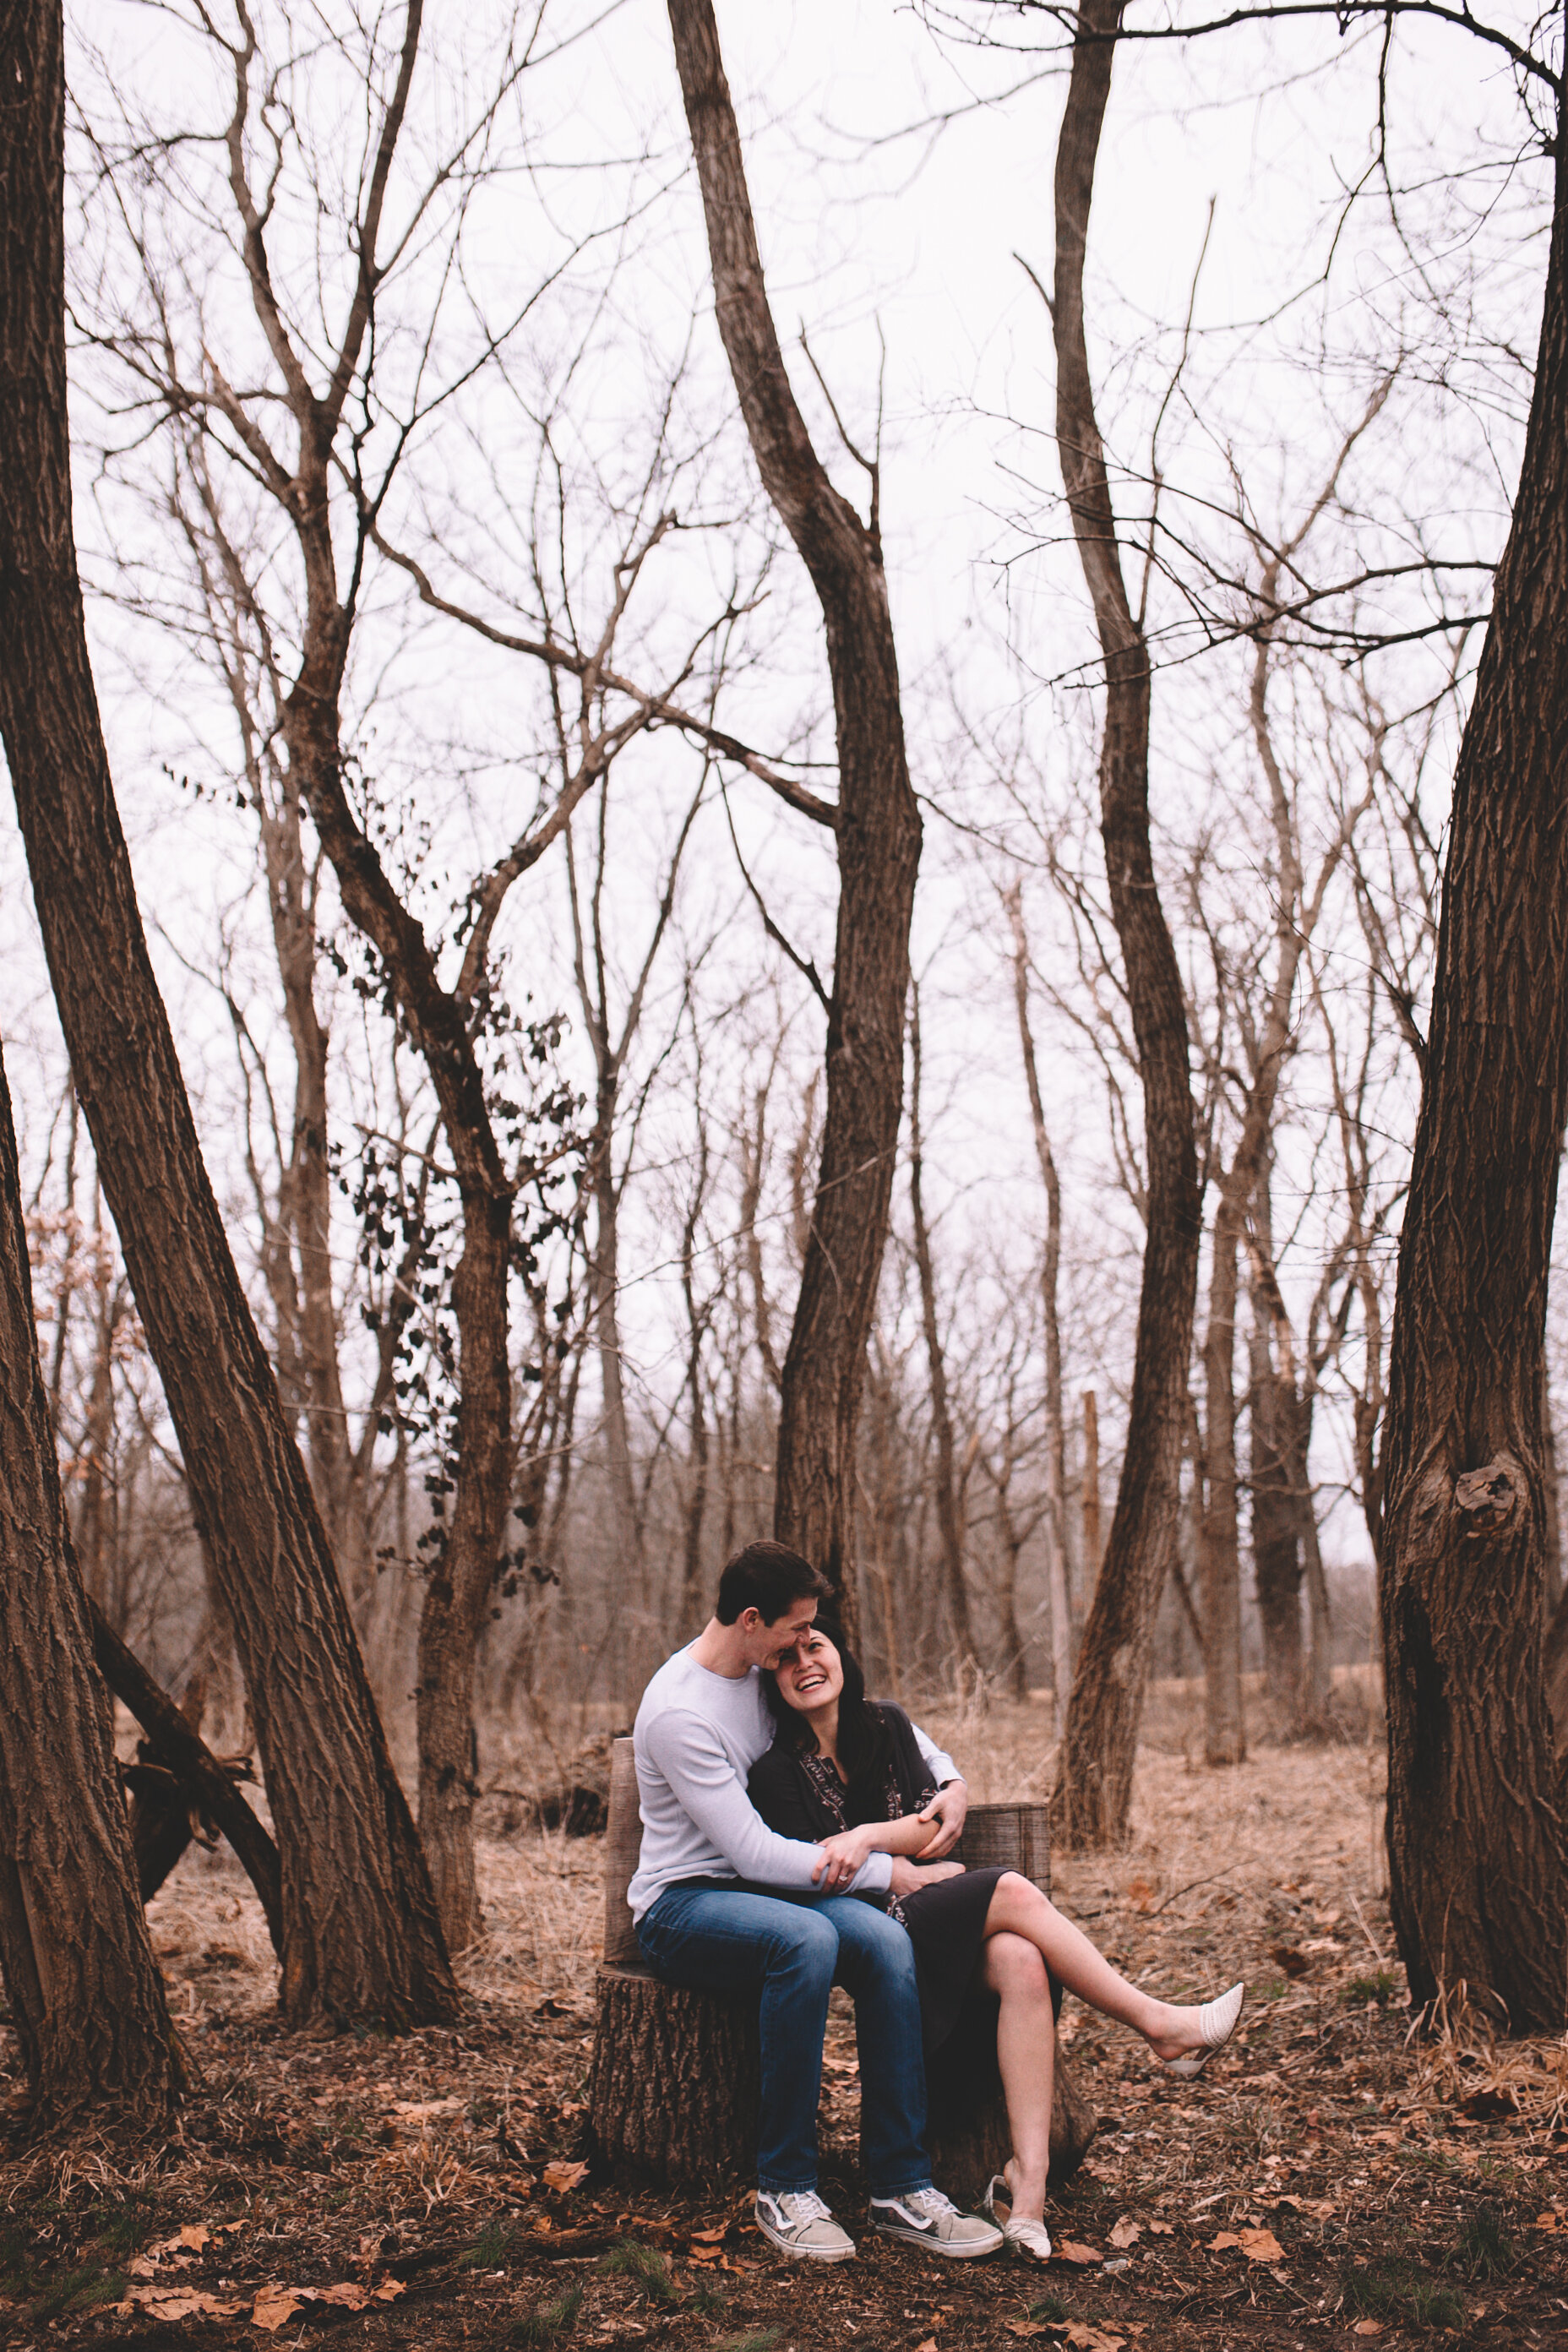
(1324, 2183)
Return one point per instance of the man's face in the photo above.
(766, 1645)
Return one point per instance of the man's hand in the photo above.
(842, 1854)
(946, 1811)
(909, 1878)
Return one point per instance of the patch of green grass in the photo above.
(1378, 1990)
(644, 2266)
(15, 2261)
(1400, 2294)
(77, 2290)
(124, 2228)
(706, 2300)
(492, 2249)
(1482, 2247)
(551, 2321)
(1049, 2306)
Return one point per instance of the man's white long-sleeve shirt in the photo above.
(697, 1736)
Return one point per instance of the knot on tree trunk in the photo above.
(1485, 1500)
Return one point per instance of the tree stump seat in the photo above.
(675, 2079)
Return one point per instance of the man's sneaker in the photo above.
(799, 2224)
(934, 2221)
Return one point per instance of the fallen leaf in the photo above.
(1320, 2208)
(182, 2303)
(1226, 2238)
(1258, 2245)
(272, 2306)
(1285, 1957)
(1550, 2220)
(1081, 2257)
(564, 2176)
(1091, 2339)
(1367, 2327)
(144, 2266)
(349, 2295)
(1026, 2327)
(1126, 2232)
(389, 2290)
(1389, 2138)
(1161, 2229)
(929, 2345)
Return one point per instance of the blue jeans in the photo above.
(722, 1938)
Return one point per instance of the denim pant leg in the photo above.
(723, 1941)
(877, 1967)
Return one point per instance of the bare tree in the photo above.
(1477, 1847)
(1050, 1269)
(950, 1526)
(878, 834)
(1095, 1784)
(341, 1816)
(85, 1998)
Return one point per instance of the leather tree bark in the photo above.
(85, 1998)
(1477, 1844)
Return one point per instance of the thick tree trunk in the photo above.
(1477, 1843)
(878, 835)
(1219, 1538)
(1095, 1783)
(86, 2001)
(359, 1930)
(949, 1527)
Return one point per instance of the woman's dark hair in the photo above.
(865, 1742)
(767, 1577)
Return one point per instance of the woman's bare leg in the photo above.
(1018, 1908)
(1026, 2053)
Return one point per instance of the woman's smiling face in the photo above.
(814, 1675)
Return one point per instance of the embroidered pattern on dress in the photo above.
(823, 1778)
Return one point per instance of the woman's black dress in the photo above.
(802, 1797)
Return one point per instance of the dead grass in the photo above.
(1326, 2182)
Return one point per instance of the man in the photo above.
(720, 1901)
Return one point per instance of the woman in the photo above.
(849, 1775)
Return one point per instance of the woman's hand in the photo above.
(946, 1813)
(909, 1878)
(843, 1853)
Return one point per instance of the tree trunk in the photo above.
(1090, 1500)
(1219, 1541)
(1050, 1267)
(86, 2001)
(1477, 1852)
(878, 837)
(1278, 1562)
(359, 1930)
(178, 1745)
(949, 1527)
(1095, 1784)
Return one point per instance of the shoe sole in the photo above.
(956, 2253)
(799, 2253)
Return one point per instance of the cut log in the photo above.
(675, 2080)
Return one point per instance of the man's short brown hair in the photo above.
(767, 1577)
